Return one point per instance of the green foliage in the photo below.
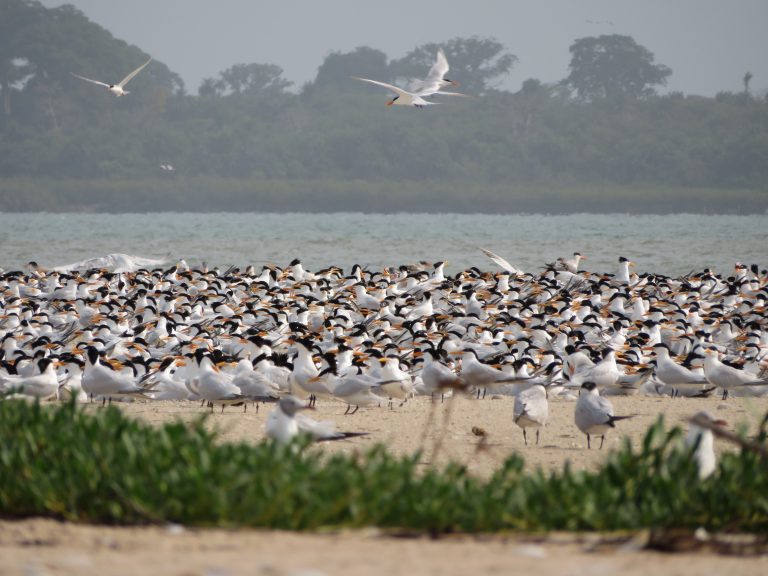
(613, 67)
(103, 467)
(480, 62)
(176, 193)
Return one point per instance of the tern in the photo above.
(594, 414)
(285, 423)
(531, 410)
(727, 377)
(403, 97)
(435, 80)
(119, 88)
(701, 441)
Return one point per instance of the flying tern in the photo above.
(119, 88)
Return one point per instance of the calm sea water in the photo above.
(673, 244)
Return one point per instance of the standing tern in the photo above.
(119, 88)
(594, 414)
(531, 410)
(727, 377)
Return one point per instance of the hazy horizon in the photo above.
(709, 45)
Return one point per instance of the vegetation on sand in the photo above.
(103, 467)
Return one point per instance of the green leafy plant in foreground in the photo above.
(104, 467)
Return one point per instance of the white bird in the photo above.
(604, 374)
(531, 410)
(594, 414)
(285, 423)
(623, 274)
(727, 377)
(254, 384)
(165, 386)
(103, 380)
(436, 376)
(500, 261)
(570, 264)
(42, 385)
(281, 424)
(702, 442)
(435, 79)
(212, 385)
(119, 263)
(673, 374)
(402, 98)
(119, 88)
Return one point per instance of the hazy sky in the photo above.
(709, 44)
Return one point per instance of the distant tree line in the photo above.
(603, 125)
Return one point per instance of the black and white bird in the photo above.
(531, 410)
(286, 422)
(119, 88)
(594, 414)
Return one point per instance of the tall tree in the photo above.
(16, 17)
(246, 79)
(476, 63)
(336, 69)
(613, 66)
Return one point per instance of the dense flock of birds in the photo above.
(128, 328)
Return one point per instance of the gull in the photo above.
(594, 414)
(285, 423)
(701, 441)
(531, 410)
(116, 89)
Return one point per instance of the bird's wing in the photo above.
(319, 429)
(89, 80)
(130, 76)
(395, 89)
(603, 406)
(439, 68)
(500, 261)
(441, 93)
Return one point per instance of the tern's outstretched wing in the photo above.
(500, 261)
(130, 76)
(395, 89)
(439, 68)
(89, 80)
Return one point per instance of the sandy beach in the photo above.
(49, 547)
(404, 429)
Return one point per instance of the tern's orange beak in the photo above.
(390, 102)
